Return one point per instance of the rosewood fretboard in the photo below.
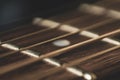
(82, 44)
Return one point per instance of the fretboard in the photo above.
(82, 44)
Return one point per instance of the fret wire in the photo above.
(79, 44)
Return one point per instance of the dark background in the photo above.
(15, 12)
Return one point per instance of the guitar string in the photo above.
(54, 53)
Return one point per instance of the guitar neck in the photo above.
(81, 44)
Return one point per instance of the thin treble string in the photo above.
(69, 34)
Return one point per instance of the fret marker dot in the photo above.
(61, 43)
(87, 76)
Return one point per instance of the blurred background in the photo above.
(15, 12)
